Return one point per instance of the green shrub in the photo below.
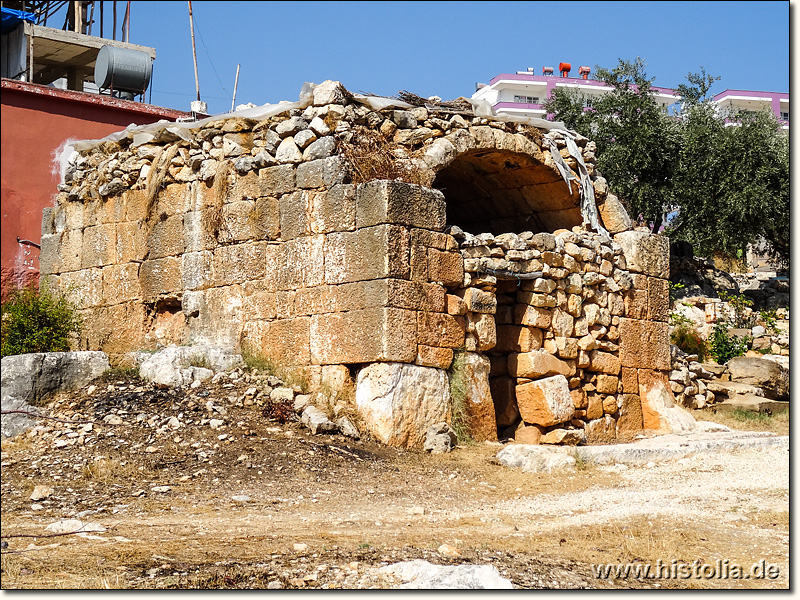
(770, 320)
(741, 309)
(723, 346)
(36, 320)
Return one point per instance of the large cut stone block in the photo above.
(258, 303)
(645, 252)
(271, 181)
(238, 222)
(49, 259)
(160, 276)
(658, 299)
(400, 203)
(295, 217)
(397, 293)
(70, 250)
(285, 341)
(361, 336)
(118, 329)
(239, 263)
(197, 269)
(473, 370)
(166, 237)
(446, 268)
(538, 364)
(644, 344)
(84, 288)
(431, 356)
(172, 200)
(295, 264)
(546, 401)
(334, 210)
(398, 402)
(630, 420)
(99, 246)
(603, 430)
(604, 362)
(216, 315)
(121, 283)
(372, 253)
(439, 329)
(659, 412)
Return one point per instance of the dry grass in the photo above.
(371, 156)
(109, 470)
(212, 219)
(747, 421)
(157, 174)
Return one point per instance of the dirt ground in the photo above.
(168, 498)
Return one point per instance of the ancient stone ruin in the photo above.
(402, 246)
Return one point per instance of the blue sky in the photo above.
(445, 48)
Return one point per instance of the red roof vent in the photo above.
(564, 68)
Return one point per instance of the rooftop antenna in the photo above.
(197, 106)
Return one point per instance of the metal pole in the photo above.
(235, 85)
(91, 21)
(101, 18)
(194, 52)
(114, 32)
(128, 23)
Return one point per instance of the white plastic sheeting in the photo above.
(588, 203)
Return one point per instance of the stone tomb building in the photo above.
(400, 246)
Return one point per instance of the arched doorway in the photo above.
(500, 191)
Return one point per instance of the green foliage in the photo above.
(729, 185)
(752, 416)
(459, 419)
(36, 320)
(637, 142)
(740, 306)
(770, 320)
(723, 346)
(673, 288)
(732, 183)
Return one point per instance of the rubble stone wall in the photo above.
(255, 234)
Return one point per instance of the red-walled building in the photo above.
(36, 121)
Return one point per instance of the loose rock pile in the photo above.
(689, 380)
(546, 309)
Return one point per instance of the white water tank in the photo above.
(123, 70)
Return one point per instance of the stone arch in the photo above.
(496, 190)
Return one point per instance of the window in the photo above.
(526, 99)
(784, 116)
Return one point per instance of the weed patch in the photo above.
(459, 418)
